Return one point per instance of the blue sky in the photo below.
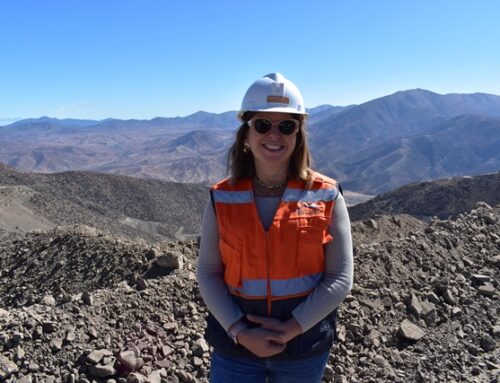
(141, 59)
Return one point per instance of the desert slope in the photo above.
(148, 209)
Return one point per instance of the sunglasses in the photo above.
(286, 127)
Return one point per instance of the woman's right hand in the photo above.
(261, 342)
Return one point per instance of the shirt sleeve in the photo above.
(210, 273)
(338, 276)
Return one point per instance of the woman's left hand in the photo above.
(288, 329)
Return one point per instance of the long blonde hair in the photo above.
(241, 165)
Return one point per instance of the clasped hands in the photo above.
(271, 337)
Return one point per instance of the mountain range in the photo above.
(370, 148)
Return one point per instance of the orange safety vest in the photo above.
(286, 261)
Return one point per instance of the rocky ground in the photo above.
(78, 305)
(425, 308)
(383, 227)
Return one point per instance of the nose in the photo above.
(274, 130)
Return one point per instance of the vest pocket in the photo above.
(310, 251)
(230, 247)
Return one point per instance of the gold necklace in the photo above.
(270, 187)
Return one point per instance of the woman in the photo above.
(276, 252)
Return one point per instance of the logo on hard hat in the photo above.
(278, 99)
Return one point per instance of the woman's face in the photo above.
(272, 149)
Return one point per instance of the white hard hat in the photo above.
(273, 93)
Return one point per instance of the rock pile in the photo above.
(70, 260)
(424, 308)
(124, 334)
(383, 227)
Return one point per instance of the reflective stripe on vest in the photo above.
(232, 196)
(290, 195)
(257, 288)
(300, 195)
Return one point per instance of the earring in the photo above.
(246, 148)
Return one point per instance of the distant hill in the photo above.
(370, 148)
(461, 145)
(408, 136)
(441, 198)
(148, 209)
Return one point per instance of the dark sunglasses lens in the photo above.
(262, 125)
(287, 127)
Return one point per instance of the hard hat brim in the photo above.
(273, 110)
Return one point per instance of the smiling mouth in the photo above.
(273, 148)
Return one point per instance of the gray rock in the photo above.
(25, 379)
(431, 297)
(171, 326)
(136, 378)
(163, 363)
(380, 361)
(33, 367)
(96, 356)
(142, 284)
(49, 326)
(154, 377)
(415, 305)
(129, 360)
(173, 260)
(328, 374)
(4, 338)
(4, 315)
(200, 347)
(48, 300)
(410, 331)
(87, 298)
(186, 377)
(152, 253)
(492, 366)
(93, 333)
(17, 338)
(70, 335)
(197, 362)
(101, 371)
(488, 290)
(371, 223)
(7, 367)
(429, 313)
(374, 337)
(56, 345)
(460, 278)
(19, 353)
(488, 343)
(496, 331)
(448, 297)
(480, 278)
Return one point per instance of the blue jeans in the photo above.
(225, 369)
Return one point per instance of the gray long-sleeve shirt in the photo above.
(328, 294)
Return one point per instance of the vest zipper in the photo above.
(268, 277)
